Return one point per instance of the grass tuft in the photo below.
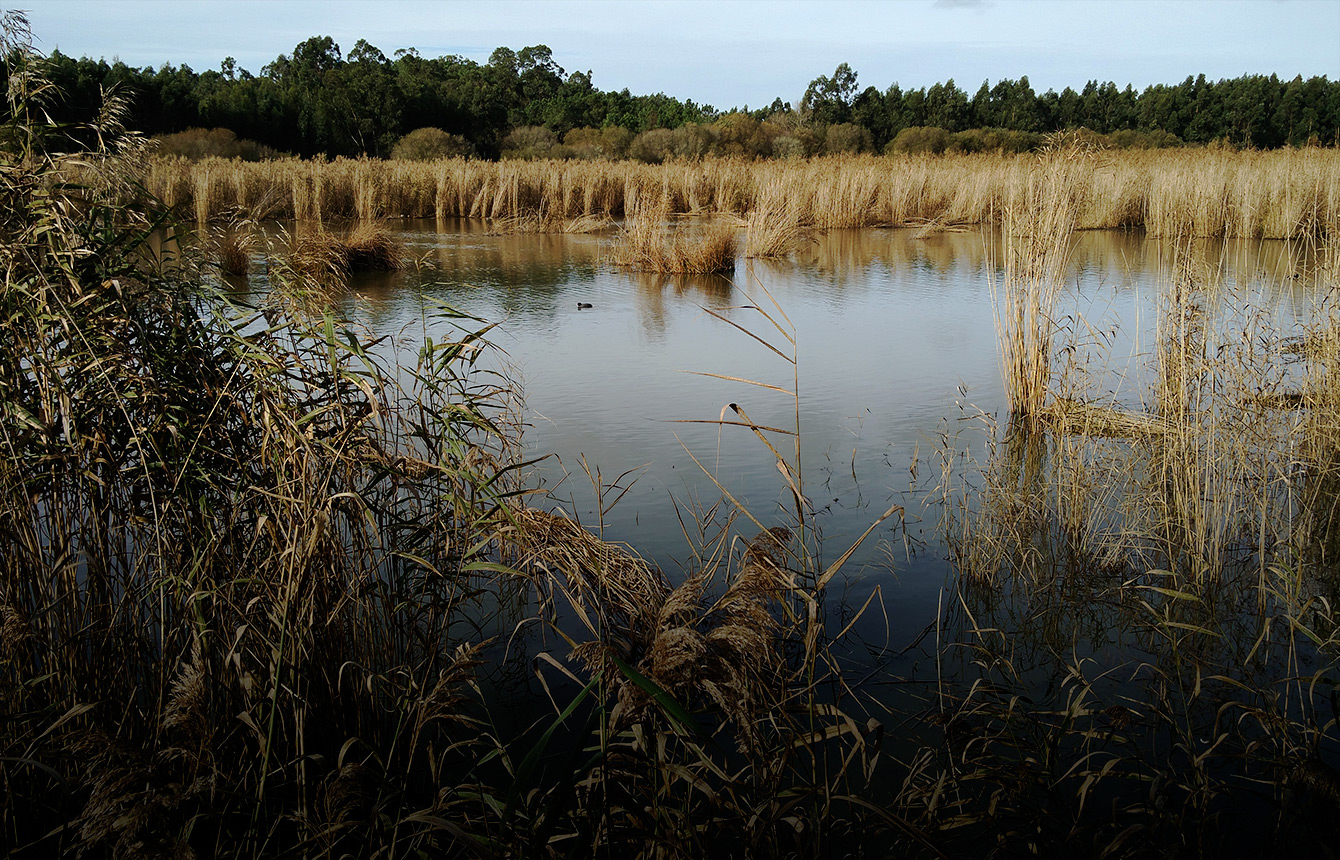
(648, 244)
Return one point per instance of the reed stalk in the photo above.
(1036, 234)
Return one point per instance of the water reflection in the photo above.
(896, 337)
(900, 399)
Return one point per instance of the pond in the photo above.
(897, 392)
(897, 372)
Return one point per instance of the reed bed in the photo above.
(648, 243)
(209, 521)
(1280, 194)
(773, 227)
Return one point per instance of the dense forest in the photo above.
(319, 101)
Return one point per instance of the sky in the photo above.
(733, 53)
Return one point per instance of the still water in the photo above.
(897, 393)
(896, 369)
(897, 374)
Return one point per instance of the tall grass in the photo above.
(1281, 194)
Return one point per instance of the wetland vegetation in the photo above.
(273, 583)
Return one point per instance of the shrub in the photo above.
(590, 143)
(847, 138)
(653, 146)
(690, 141)
(429, 144)
(693, 141)
(741, 135)
(198, 143)
(787, 146)
(999, 140)
(529, 142)
(795, 141)
(1130, 139)
(920, 139)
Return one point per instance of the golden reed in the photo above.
(1281, 194)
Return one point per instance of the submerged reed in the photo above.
(1167, 567)
(233, 245)
(648, 244)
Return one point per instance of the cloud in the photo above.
(962, 4)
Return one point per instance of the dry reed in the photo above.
(647, 243)
(773, 227)
(1277, 194)
(1130, 555)
(233, 246)
(1036, 233)
(326, 259)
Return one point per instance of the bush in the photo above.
(787, 146)
(653, 146)
(920, 139)
(998, 140)
(690, 142)
(744, 136)
(847, 138)
(589, 143)
(794, 142)
(1157, 139)
(429, 144)
(529, 142)
(198, 143)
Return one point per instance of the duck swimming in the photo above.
(582, 305)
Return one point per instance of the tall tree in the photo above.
(828, 100)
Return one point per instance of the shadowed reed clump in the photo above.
(213, 529)
(325, 256)
(233, 245)
(370, 247)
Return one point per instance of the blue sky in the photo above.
(730, 53)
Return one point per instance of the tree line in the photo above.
(319, 101)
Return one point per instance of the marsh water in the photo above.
(627, 377)
(897, 373)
